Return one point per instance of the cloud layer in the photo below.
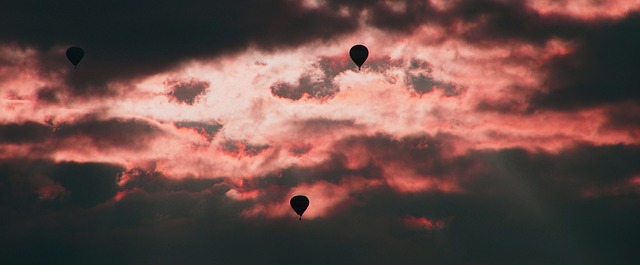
(477, 132)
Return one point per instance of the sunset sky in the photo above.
(477, 132)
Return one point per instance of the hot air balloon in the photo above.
(299, 203)
(75, 54)
(359, 54)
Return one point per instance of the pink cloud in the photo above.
(630, 186)
(325, 199)
(404, 179)
(242, 195)
(261, 133)
(586, 9)
(423, 223)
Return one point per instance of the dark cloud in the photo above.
(603, 69)
(307, 85)
(48, 95)
(423, 82)
(516, 207)
(124, 40)
(152, 181)
(570, 174)
(29, 183)
(300, 149)
(112, 132)
(140, 40)
(417, 76)
(584, 170)
(187, 91)
(102, 133)
(334, 66)
(493, 20)
(323, 87)
(19, 181)
(242, 148)
(623, 117)
(414, 14)
(499, 21)
(87, 184)
(27, 132)
(206, 129)
(600, 71)
(324, 126)
(286, 90)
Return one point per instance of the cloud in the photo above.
(241, 149)
(48, 95)
(512, 201)
(187, 91)
(319, 126)
(44, 183)
(88, 184)
(624, 117)
(532, 179)
(151, 181)
(306, 86)
(567, 175)
(126, 48)
(478, 132)
(419, 78)
(101, 133)
(600, 71)
(141, 40)
(425, 223)
(26, 132)
(111, 132)
(317, 83)
(477, 22)
(206, 129)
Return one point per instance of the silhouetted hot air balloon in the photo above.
(359, 54)
(75, 54)
(299, 203)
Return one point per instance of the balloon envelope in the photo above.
(299, 203)
(359, 54)
(75, 54)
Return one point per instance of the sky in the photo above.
(477, 132)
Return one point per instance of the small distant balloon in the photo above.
(75, 55)
(299, 203)
(359, 54)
